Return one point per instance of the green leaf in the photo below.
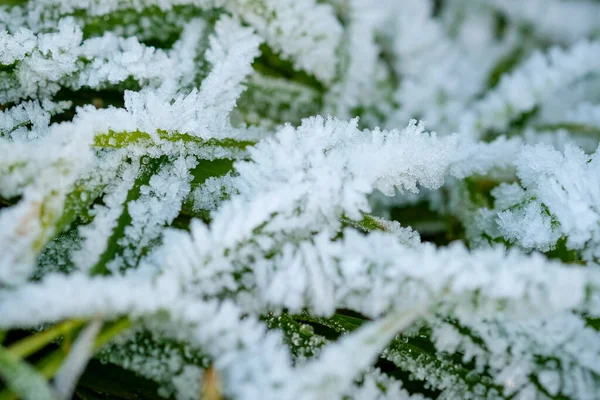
(204, 170)
(571, 127)
(593, 323)
(210, 169)
(33, 343)
(505, 65)
(117, 140)
(269, 101)
(338, 324)
(270, 64)
(22, 379)
(50, 364)
(301, 338)
(113, 248)
(77, 204)
(415, 355)
(148, 345)
(367, 224)
(109, 381)
(562, 253)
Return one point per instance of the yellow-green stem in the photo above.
(49, 365)
(31, 344)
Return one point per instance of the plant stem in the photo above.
(31, 344)
(49, 365)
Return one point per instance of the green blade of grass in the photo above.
(22, 379)
(33, 343)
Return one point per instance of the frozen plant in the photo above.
(248, 199)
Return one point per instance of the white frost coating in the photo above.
(212, 192)
(528, 225)
(187, 49)
(232, 49)
(322, 276)
(317, 379)
(56, 59)
(562, 350)
(110, 297)
(566, 200)
(574, 135)
(42, 15)
(533, 82)
(94, 235)
(393, 272)
(584, 113)
(406, 235)
(577, 100)
(231, 52)
(159, 204)
(13, 121)
(364, 71)
(53, 57)
(524, 292)
(114, 59)
(110, 191)
(214, 327)
(350, 164)
(303, 30)
(553, 18)
(438, 376)
(435, 68)
(187, 383)
(153, 357)
(16, 47)
(80, 353)
(203, 113)
(378, 386)
(479, 157)
(42, 172)
(57, 8)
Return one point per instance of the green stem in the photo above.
(113, 247)
(31, 344)
(367, 224)
(49, 365)
(114, 139)
(108, 333)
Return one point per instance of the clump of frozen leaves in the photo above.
(232, 198)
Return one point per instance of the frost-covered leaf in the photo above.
(245, 184)
(23, 379)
